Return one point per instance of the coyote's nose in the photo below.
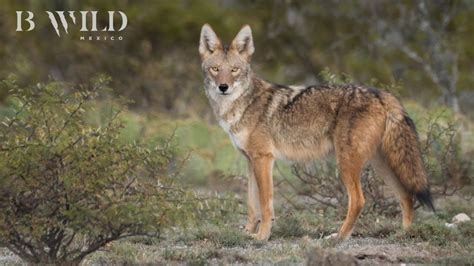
(223, 87)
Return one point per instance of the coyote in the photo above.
(266, 121)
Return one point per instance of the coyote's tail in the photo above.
(401, 149)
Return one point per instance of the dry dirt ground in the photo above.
(303, 250)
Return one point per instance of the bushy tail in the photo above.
(402, 152)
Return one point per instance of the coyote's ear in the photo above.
(209, 41)
(243, 42)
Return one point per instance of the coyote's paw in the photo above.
(251, 227)
(262, 235)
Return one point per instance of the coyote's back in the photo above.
(266, 121)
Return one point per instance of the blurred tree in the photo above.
(422, 31)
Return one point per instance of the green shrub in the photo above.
(68, 187)
(466, 233)
(433, 231)
(376, 226)
(231, 238)
(289, 226)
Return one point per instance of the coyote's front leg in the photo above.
(262, 169)
(253, 202)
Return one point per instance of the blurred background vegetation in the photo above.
(425, 46)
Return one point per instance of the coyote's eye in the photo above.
(235, 69)
(215, 69)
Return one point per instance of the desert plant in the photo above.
(289, 226)
(222, 236)
(432, 230)
(68, 187)
(319, 183)
(441, 149)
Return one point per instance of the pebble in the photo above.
(461, 218)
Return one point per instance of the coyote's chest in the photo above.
(238, 137)
(230, 117)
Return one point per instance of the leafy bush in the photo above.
(67, 187)
(446, 166)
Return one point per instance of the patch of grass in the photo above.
(231, 238)
(185, 237)
(330, 242)
(258, 243)
(279, 251)
(144, 240)
(466, 233)
(323, 223)
(289, 226)
(202, 256)
(433, 231)
(455, 260)
(450, 207)
(376, 226)
(196, 257)
(118, 253)
(223, 237)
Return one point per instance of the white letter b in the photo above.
(29, 19)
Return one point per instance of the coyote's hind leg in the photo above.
(406, 198)
(350, 173)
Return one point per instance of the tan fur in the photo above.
(254, 212)
(267, 122)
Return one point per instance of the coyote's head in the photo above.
(226, 68)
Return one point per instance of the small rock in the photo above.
(461, 218)
(448, 225)
(331, 236)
